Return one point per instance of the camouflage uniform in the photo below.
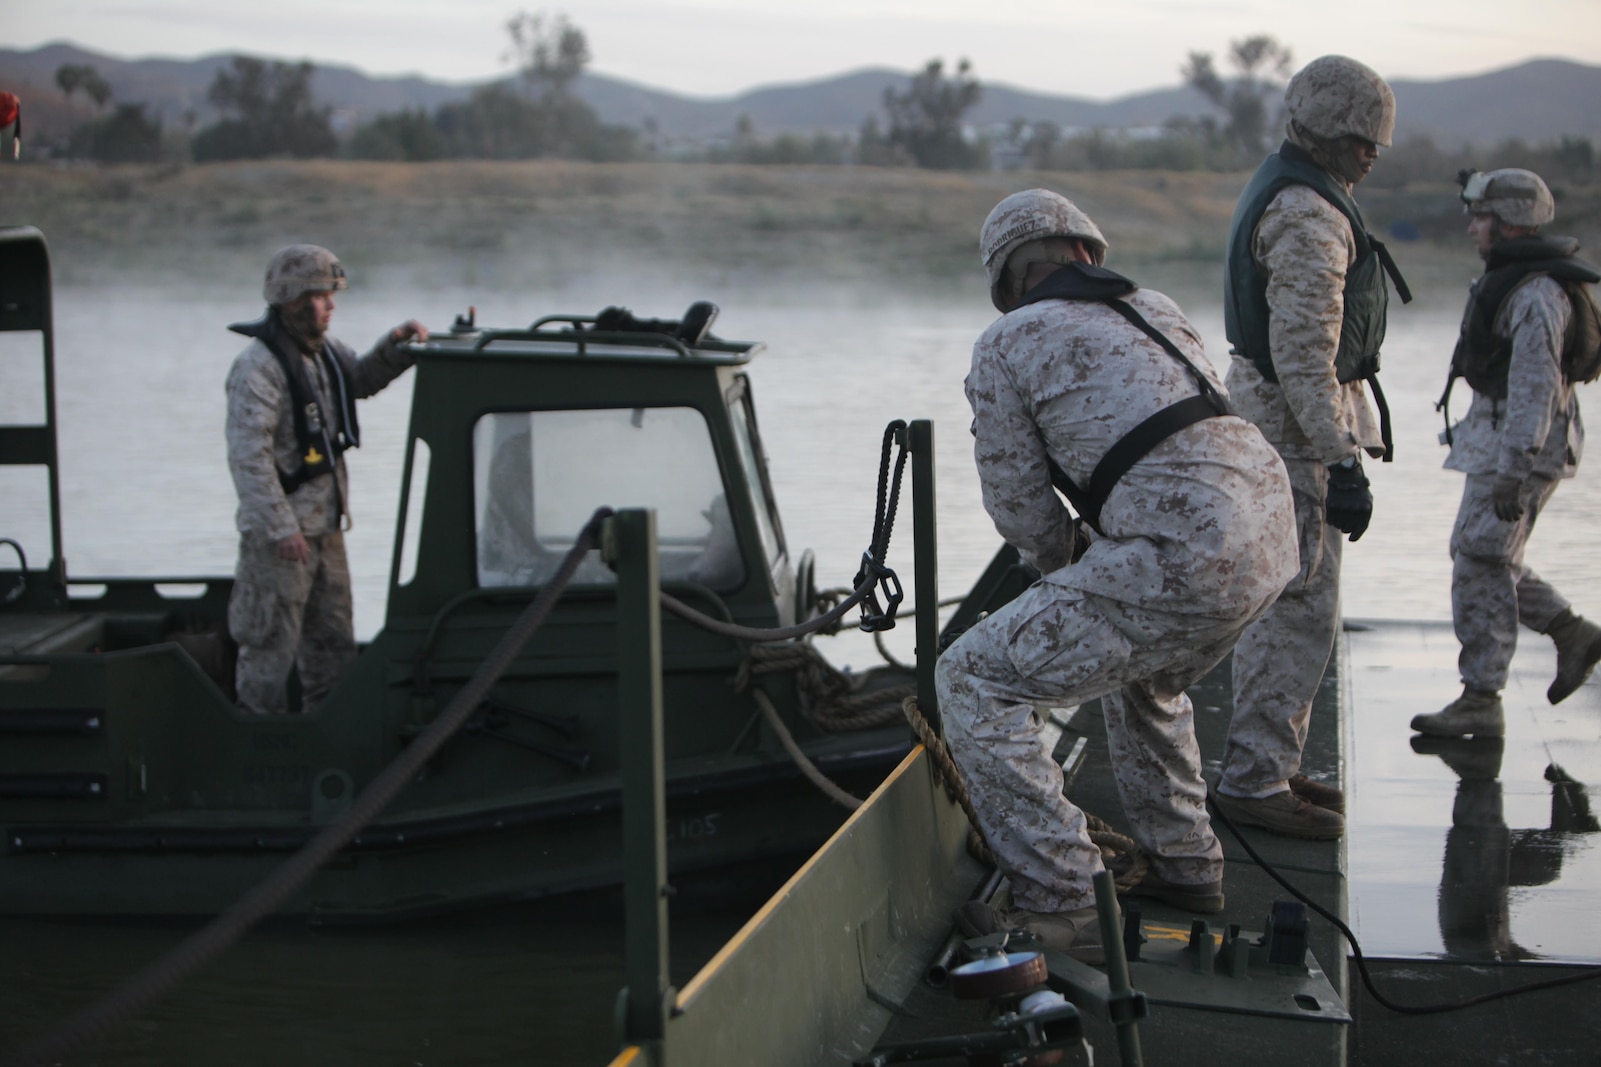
(1534, 435)
(282, 612)
(1197, 541)
(1306, 246)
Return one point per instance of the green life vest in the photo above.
(1245, 310)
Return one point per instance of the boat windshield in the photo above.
(539, 475)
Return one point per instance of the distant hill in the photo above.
(1537, 101)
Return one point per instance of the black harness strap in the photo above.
(1207, 390)
(1138, 442)
(311, 441)
(1391, 268)
(1385, 434)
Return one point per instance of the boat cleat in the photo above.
(1272, 973)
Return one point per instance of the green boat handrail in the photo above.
(576, 320)
(584, 338)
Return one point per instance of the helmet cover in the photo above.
(1516, 197)
(1335, 96)
(1026, 218)
(301, 269)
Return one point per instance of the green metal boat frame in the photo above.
(849, 961)
(130, 783)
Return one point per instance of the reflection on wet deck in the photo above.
(1469, 849)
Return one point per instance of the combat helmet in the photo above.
(1021, 219)
(301, 269)
(1516, 197)
(1335, 96)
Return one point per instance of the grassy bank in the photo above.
(533, 224)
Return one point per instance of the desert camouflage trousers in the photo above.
(1279, 662)
(283, 614)
(1060, 647)
(1492, 590)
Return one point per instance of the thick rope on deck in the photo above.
(807, 767)
(1125, 859)
(832, 700)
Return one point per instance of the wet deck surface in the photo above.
(1474, 865)
(1200, 1038)
(1470, 849)
(1468, 867)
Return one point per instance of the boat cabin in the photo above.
(130, 783)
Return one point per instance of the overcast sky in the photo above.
(1085, 48)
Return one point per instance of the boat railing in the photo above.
(25, 306)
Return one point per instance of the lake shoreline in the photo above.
(542, 224)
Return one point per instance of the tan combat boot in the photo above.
(1282, 813)
(1578, 643)
(1476, 711)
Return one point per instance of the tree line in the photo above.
(269, 109)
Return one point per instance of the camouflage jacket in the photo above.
(1305, 245)
(1204, 524)
(261, 438)
(1536, 429)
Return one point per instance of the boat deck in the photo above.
(1468, 867)
(1201, 1038)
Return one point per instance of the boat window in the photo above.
(540, 475)
(411, 520)
(755, 464)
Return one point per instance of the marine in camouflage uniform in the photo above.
(1514, 450)
(1301, 250)
(1197, 540)
(291, 603)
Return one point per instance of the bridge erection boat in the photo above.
(130, 784)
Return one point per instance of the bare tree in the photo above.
(1261, 66)
(550, 53)
(925, 119)
(70, 77)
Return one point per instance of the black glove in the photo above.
(1349, 504)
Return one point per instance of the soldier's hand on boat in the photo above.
(1349, 504)
(408, 330)
(294, 547)
(1508, 508)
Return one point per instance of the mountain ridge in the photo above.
(1537, 100)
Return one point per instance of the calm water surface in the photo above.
(146, 492)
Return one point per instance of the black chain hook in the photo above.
(878, 616)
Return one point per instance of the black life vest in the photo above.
(1085, 281)
(1482, 358)
(319, 448)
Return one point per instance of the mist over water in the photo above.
(146, 491)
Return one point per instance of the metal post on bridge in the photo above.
(925, 576)
(630, 547)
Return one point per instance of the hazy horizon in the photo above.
(714, 49)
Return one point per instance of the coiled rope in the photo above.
(832, 701)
